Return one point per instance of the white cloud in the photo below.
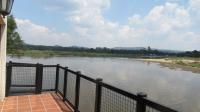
(37, 34)
(135, 19)
(167, 17)
(195, 4)
(170, 25)
(89, 12)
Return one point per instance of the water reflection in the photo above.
(172, 87)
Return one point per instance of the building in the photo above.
(3, 38)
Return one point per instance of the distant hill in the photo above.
(129, 48)
(169, 51)
(143, 48)
(61, 48)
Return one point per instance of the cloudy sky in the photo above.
(166, 24)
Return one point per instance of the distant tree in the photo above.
(149, 50)
(14, 41)
(195, 53)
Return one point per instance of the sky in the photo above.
(163, 24)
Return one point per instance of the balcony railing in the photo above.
(82, 93)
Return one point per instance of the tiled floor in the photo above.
(46, 102)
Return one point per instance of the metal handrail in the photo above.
(141, 105)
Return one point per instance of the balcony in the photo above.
(58, 88)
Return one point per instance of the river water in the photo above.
(175, 88)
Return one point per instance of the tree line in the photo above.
(143, 52)
(194, 53)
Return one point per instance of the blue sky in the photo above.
(167, 24)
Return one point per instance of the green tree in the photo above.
(195, 53)
(14, 41)
(149, 50)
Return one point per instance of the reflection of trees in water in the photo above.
(148, 63)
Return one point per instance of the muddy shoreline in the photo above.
(170, 64)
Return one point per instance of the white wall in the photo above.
(3, 37)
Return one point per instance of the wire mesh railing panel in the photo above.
(61, 80)
(49, 77)
(71, 83)
(150, 109)
(114, 102)
(87, 96)
(23, 76)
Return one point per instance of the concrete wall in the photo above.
(3, 38)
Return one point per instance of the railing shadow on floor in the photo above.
(82, 93)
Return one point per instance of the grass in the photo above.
(183, 58)
(48, 53)
(194, 62)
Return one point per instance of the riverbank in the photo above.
(187, 64)
(50, 53)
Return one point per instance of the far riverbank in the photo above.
(188, 64)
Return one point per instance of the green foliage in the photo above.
(195, 64)
(149, 49)
(50, 53)
(14, 42)
(195, 54)
(142, 52)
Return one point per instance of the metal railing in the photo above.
(82, 93)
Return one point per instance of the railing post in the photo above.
(98, 94)
(39, 78)
(8, 77)
(65, 84)
(141, 107)
(57, 77)
(77, 91)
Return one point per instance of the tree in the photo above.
(14, 41)
(195, 53)
(149, 50)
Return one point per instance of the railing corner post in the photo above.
(77, 91)
(140, 106)
(57, 78)
(98, 94)
(10, 62)
(65, 83)
(39, 78)
(8, 78)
